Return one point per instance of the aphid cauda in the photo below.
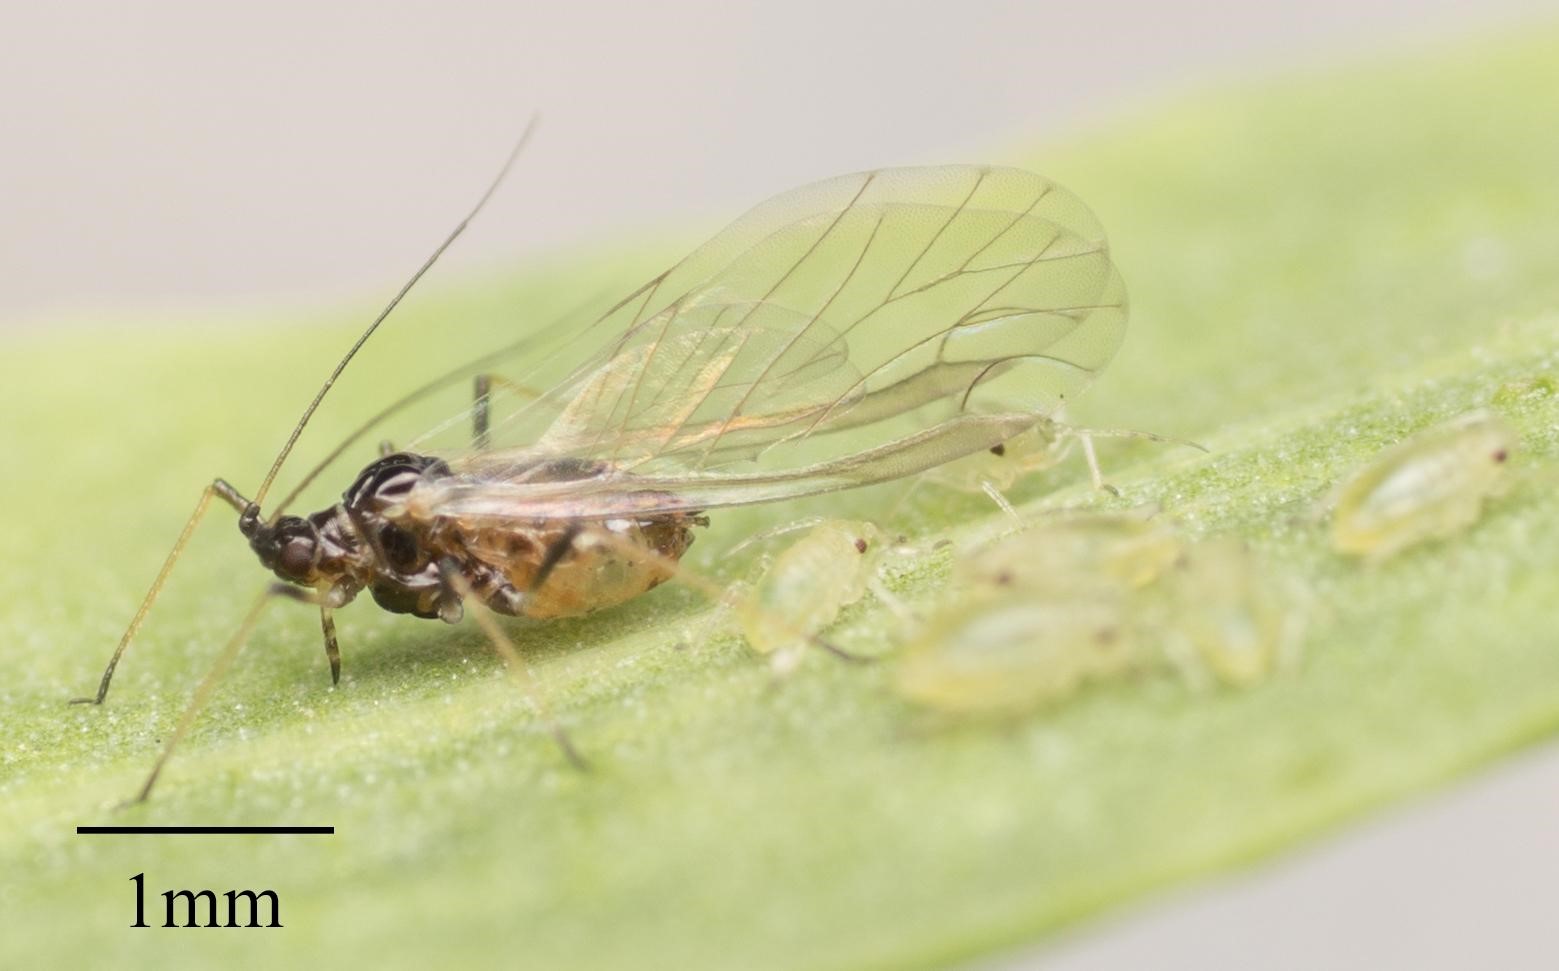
(1427, 486)
(850, 332)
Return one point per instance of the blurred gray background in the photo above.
(174, 157)
(178, 161)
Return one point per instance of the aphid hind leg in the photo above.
(455, 581)
(481, 404)
(208, 684)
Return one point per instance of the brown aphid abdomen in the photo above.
(594, 565)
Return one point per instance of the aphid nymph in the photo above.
(1430, 485)
(1089, 553)
(1228, 617)
(1013, 654)
(801, 591)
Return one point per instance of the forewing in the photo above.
(824, 333)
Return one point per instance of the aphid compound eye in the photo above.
(290, 549)
(297, 558)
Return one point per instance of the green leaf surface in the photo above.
(1318, 267)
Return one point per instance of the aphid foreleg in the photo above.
(1094, 473)
(327, 623)
(454, 579)
(1085, 437)
(216, 488)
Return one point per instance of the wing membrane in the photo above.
(854, 330)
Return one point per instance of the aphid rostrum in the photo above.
(1427, 486)
(850, 332)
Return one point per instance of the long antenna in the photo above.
(308, 412)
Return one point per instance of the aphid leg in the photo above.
(1094, 473)
(208, 684)
(839, 652)
(554, 555)
(481, 404)
(889, 599)
(903, 499)
(456, 583)
(704, 629)
(989, 488)
(481, 411)
(327, 624)
(1085, 436)
(773, 532)
(216, 488)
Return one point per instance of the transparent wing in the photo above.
(850, 331)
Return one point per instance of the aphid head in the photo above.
(290, 548)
